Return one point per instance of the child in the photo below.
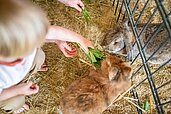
(23, 29)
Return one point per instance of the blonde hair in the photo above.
(23, 28)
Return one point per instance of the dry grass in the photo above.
(63, 71)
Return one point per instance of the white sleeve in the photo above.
(2, 83)
(1, 86)
(8, 77)
(3, 79)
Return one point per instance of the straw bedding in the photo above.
(63, 71)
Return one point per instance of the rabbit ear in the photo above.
(125, 22)
(127, 71)
(113, 73)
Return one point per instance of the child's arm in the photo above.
(73, 3)
(20, 89)
(60, 35)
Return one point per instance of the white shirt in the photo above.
(11, 75)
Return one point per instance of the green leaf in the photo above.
(87, 1)
(97, 53)
(95, 56)
(85, 15)
(146, 106)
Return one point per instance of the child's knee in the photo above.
(13, 103)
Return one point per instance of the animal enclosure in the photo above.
(153, 82)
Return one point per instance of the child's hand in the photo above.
(27, 88)
(85, 44)
(20, 89)
(60, 35)
(66, 49)
(77, 4)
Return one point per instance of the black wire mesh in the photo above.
(154, 17)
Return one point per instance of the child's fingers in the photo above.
(65, 53)
(77, 7)
(72, 52)
(86, 45)
(91, 45)
(81, 4)
(66, 46)
(67, 50)
(34, 88)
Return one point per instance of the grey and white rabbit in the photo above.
(117, 39)
(121, 42)
(93, 93)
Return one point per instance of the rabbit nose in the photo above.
(103, 47)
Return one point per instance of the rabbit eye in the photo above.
(115, 43)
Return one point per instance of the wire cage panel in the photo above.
(150, 22)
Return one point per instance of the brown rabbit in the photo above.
(95, 92)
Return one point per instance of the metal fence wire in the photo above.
(152, 18)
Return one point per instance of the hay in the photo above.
(63, 71)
